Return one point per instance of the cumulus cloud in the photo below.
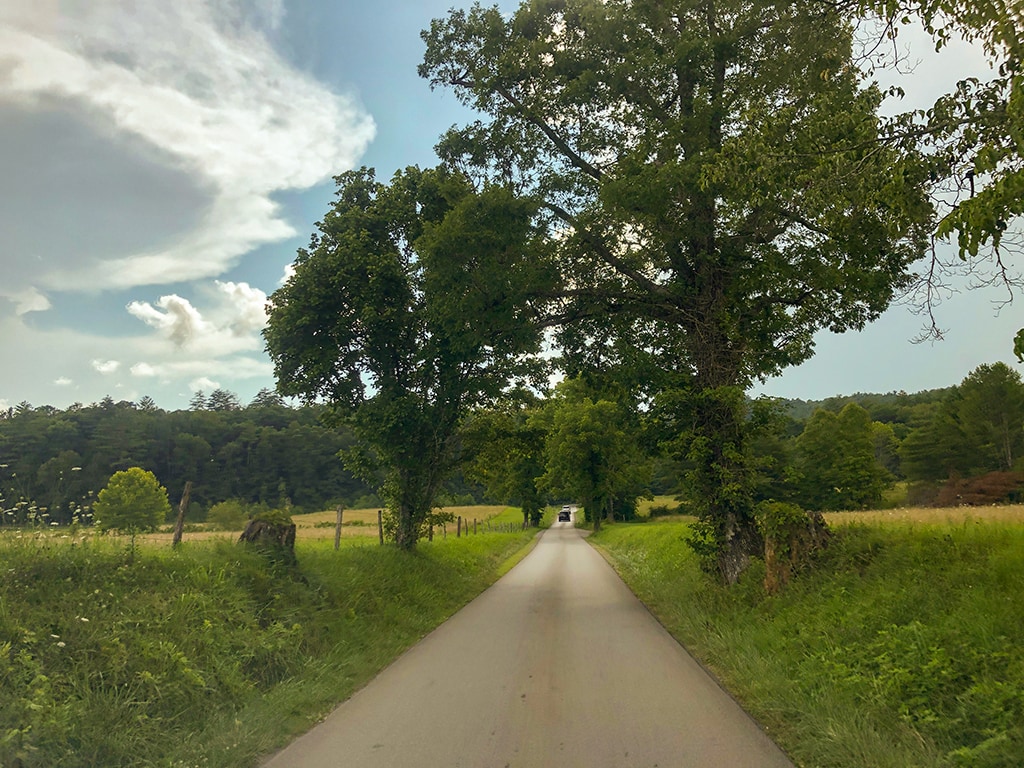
(289, 270)
(106, 366)
(63, 381)
(203, 383)
(179, 321)
(143, 370)
(231, 322)
(28, 300)
(199, 83)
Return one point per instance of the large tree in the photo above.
(404, 313)
(711, 175)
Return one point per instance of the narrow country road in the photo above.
(557, 664)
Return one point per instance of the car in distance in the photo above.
(565, 515)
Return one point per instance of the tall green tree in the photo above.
(592, 453)
(991, 415)
(404, 313)
(935, 448)
(711, 175)
(507, 456)
(133, 501)
(837, 461)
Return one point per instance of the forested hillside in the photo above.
(961, 444)
(265, 452)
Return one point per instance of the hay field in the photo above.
(1009, 513)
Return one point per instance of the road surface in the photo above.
(557, 664)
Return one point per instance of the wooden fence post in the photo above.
(474, 526)
(179, 524)
(337, 529)
(458, 527)
(380, 525)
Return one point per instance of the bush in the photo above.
(987, 489)
(664, 510)
(369, 501)
(133, 501)
(228, 515)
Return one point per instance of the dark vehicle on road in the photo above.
(565, 515)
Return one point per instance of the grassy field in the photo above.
(208, 655)
(903, 646)
(356, 523)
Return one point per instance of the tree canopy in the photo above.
(132, 501)
(714, 184)
(406, 311)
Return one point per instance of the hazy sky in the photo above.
(160, 162)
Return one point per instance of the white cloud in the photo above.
(203, 383)
(248, 307)
(63, 381)
(106, 366)
(28, 300)
(143, 370)
(180, 322)
(200, 82)
(230, 322)
(289, 270)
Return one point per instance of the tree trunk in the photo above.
(405, 530)
(722, 484)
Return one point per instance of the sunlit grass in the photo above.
(207, 654)
(903, 646)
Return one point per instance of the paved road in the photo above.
(557, 664)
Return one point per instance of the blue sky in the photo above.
(161, 162)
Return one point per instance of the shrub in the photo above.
(133, 501)
(664, 510)
(990, 488)
(227, 515)
(369, 501)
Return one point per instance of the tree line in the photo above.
(591, 444)
(53, 462)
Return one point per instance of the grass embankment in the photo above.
(904, 646)
(208, 655)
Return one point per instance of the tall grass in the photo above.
(903, 646)
(210, 654)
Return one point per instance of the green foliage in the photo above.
(207, 655)
(507, 451)
(228, 515)
(977, 428)
(132, 501)
(837, 461)
(591, 451)
(59, 459)
(901, 647)
(684, 157)
(404, 313)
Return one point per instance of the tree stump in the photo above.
(275, 538)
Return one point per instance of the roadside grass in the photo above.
(903, 646)
(210, 654)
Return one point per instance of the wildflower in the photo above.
(61, 644)
(82, 618)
